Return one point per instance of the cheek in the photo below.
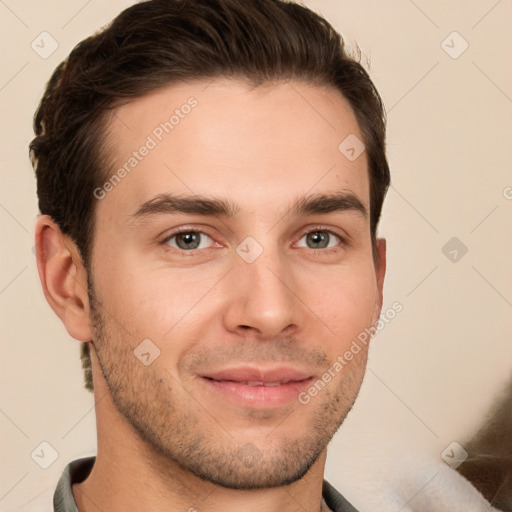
(155, 303)
(346, 303)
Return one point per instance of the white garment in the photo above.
(399, 476)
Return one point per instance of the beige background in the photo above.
(435, 368)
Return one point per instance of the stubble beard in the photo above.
(178, 430)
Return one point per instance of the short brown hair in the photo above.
(160, 42)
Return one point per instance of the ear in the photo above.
(380, 273)
(63, 277)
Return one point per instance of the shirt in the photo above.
(78, 470)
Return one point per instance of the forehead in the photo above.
(259, 147)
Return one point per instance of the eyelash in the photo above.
(192, 252)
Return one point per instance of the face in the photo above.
(224, 286)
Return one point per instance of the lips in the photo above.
(260, 383)
(259, 377)
(259, 388)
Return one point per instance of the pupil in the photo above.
(318, 237)
(190, 240)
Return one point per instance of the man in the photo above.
(210, 176)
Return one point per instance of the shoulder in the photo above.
(74, 472)
(60, 499)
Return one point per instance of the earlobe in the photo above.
(63, 277)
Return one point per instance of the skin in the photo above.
(207, 308)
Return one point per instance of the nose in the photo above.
(261, 300)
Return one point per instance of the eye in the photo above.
(188, 240)
(191, 240)
(321, 239)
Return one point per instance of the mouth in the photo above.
(258, 388)
(258, 383)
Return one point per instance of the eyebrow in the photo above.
(215, 207)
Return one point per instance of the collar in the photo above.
(78, 470)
